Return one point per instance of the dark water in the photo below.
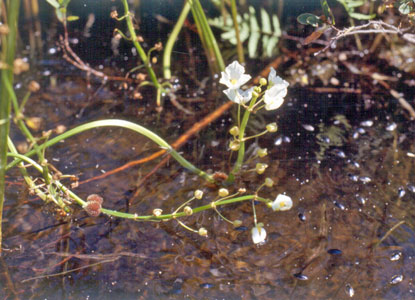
(348, 168)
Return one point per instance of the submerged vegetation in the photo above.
(247, 165)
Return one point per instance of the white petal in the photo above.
(274, 79)
(258, 234)
(244, 78)
(245, 96)
(232, 94)
(282, 202)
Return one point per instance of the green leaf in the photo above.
(54, 3)
(309, 19)
(72, 18)
(327, 11)
(405, 8)
(359, 16)
(255, 35)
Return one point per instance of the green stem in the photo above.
(6, 76)
(241, 151)
(239, 47)
(115, 213)
(128, 125)
(209, 43)
(140, 49)
(172, 39)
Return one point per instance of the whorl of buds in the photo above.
(223, 192)
(93, 205)
(269, 182)
(234, 145)
(260, 168)
(262, 152)
(188, 210)
(198, 194)
(272, 127)
(202, 231)
(157, 212)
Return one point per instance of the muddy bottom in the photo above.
(350, 233)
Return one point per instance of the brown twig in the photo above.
(368, 28)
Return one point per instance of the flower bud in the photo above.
(198, 194)
(269, 182)
(157, 212)
(242, 190)
(257, 90)
(202, 231)
(223, 192)
(262, 152)
(255, 93)
(188, 210)
(263, 81)
(237, 223)
(272, 127)
(234, 130)
(260, 168)
(234, 145)
(19, 66)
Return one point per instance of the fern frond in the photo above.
(254, 34)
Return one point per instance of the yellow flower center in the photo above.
(234, 81)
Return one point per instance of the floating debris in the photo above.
(302, 217)
(339, 205)
(286, 139)
(361, 130)
(411, 187)
(300, 276)
(308, 127)
(396, 279)
(349, 290)
(361, 199)
(396, 256)
(410, 154)
(278, 141)
(339, 153)
(391, 127)
(334, 251)
(401, 192)
(206, 285)
(367, 123)
(355, 135)
(353, 177)
(365, 179)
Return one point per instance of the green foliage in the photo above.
(351, 5)
(61, 9)
(405, 7)
(309, 19)
(266, 32)
(328, 18)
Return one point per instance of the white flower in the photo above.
(258, 234)
(282, 202)
(274, 97)
(273, 79)
(239, 96)
(234, 76)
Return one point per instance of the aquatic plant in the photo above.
(8, 34)
(51, 189)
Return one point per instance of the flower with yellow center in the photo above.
(234, 76)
